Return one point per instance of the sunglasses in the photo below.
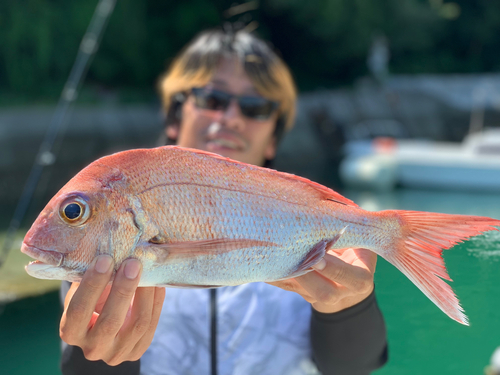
(253, 107)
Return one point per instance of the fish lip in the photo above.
(53, 258)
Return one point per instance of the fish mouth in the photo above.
(49, 257)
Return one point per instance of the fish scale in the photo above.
(235, 219)
(196, 219)
(242, 215)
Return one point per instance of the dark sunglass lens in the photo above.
(212, 100)
(257, 108)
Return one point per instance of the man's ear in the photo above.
(270, 151)
(172, 131)
(173, 116)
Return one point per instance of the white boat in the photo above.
(382, 164)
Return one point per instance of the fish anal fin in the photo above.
(315, 255)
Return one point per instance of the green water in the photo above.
(29, 341)
(422, 340)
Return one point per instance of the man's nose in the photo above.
(232, 116)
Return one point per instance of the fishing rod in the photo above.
(46, 155)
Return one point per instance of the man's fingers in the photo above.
(319, 288)
(80, 308)
(147, 338)
(135, 326)
(292, 285)
(140, 317)
(102, 299)
(367, 257)
(69, 296)
(117, 305)
(351, 276)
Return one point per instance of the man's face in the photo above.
(228, 132)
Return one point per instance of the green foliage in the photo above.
(324, 41)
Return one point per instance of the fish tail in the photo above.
(418, 252)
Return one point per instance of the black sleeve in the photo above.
(73, 362)
(350, 342)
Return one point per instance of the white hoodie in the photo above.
(261, 329)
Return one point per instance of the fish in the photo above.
(200, 220)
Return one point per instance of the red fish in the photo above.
(196, 219)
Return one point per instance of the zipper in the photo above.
(213, 331)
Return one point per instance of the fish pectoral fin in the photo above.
(219, 245)
(191, 249)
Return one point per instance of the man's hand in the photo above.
(117, 322)
(341, 279)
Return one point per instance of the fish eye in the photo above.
(74, 211)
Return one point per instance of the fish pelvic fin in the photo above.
(418, 254)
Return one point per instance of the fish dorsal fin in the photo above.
(325, 192)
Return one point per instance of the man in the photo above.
(228, 93)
